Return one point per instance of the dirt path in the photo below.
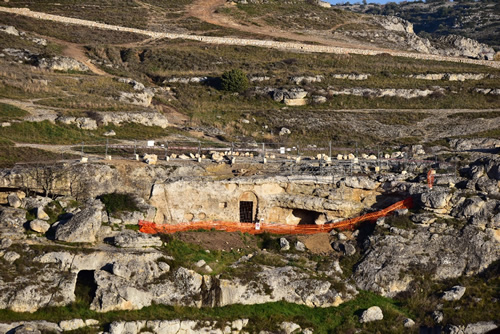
(206, 10)
(289, 46)
(77, 52)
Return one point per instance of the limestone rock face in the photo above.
(83, 226)
(177, 326)
(374, 313)
(436, 199)
(474, 143)
(144, 118)
(64, 64)
(115, 293)
(360, 182)
(137, 240)
(459, 46)
(84, 123)
(12, 220)
(140, 99)
(9, 30)
(31, 326)
(396, 24)
(292, 97)
(388, 260)
(70, 325)
(83, 181)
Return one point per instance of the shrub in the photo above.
(234, 81)
(119, 202)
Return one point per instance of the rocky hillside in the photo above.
(477, 20)
(289, 112)
(436, 266)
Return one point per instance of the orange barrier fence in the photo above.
(152, 228)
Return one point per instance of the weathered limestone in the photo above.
(64, 64)
(455, 293)
(83, 226)
(39, 226)
(373, 313)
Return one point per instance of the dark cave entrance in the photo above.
(306, 217)
(85, 287)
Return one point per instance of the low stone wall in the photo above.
(243, 42)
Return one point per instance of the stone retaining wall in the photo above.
(242, 42)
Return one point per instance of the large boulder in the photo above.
(455, 293)
(39, 226)
(83, 226)
(14, 200)
(436, 199)
(373, 313)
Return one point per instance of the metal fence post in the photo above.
(83, 144)
(107, 142)
(330, 152)
(135, 147)
(199, 148)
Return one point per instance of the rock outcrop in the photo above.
(83, 226)
(389, 260)
(63, 64)
(459, 46)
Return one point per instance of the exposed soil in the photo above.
(317, 243)
(216, 240)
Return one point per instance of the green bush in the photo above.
(234, 81)
(119, 202)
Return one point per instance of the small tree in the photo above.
(234, 81)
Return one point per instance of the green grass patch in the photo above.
(45, 133)
(9, 112)
(341, 319)
(186, 254)
(10, 155)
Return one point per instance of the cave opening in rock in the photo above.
(85, 287)
(306, 217)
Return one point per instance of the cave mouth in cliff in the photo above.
(85, 287)
(306, 217)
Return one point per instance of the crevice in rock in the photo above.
(211, 293)
(85, 287)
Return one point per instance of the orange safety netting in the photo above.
(152, 228)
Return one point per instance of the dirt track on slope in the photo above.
(206, 10)
(291, 46)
